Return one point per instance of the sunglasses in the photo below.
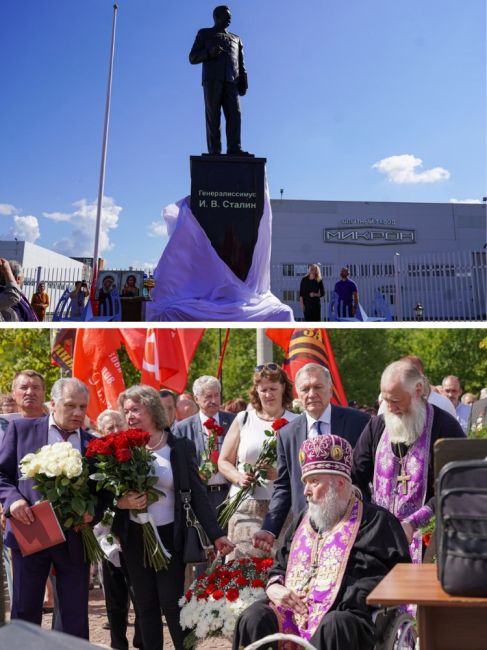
(270, 366)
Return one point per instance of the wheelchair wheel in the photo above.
(402, 634)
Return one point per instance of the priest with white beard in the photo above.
(393, 458)
(333, 556)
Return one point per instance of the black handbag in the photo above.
(197, 544)
(461, 528)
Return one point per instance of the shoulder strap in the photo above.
(183, 476)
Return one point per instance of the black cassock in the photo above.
(379, 546)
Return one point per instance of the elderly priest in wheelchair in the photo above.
(332, 557)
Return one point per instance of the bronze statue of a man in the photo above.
(224, 79)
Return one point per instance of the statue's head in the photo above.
(222, 16)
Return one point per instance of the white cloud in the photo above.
(57, 216)
(148, 267)
(157, 229)
(464, 201)
(83, 220)
(8, 209)
(26, 228)
(403, 169)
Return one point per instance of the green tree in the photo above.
(22, 348)
(446, 352)
(238, 364)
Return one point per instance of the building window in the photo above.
(288, 295)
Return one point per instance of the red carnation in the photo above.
(255, 584)
(267, 562)
(188, 594)
(202, 597)
(242, 581)
(279, 423)
(426, 539)
(232, 594)
(218, 594)
(123, 455)
(214, 456)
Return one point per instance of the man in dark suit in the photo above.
(207, 395)
(224, 79)
(314, 388)
(69, 401)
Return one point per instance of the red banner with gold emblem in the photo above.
(310, 345)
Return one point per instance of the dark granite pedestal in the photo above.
(227, 199)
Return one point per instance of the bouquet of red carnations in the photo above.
(209, 458)
(123, 464)
(60, 474)
(267, 458)
(213, 603)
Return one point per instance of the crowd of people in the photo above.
(344, 503)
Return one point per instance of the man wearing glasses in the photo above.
(314, 388)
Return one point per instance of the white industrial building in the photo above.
(427, 254)
(56, 270)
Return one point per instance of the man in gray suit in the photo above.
(314, 388)
(207, 395)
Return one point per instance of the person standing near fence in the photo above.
(78, 297)
(347, 295)
(311, 291)
(40, 301)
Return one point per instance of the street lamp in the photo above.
(419, 312)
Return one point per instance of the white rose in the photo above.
(73, 468)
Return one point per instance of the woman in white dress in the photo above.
(270, 397)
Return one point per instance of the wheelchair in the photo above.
(395, 630)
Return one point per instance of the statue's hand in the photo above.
(215, 51)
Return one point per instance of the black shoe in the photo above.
(239, 152)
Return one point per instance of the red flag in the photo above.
(163, 355)
(303, 346)
(96, 363)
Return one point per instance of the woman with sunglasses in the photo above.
(271, 397)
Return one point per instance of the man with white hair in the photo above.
(314, 387)
(209, 422)
(333, 556)
(69, 401)
(394, 452)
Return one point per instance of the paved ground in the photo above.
(101, 636)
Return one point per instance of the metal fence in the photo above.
(56, 281)
(447, 286)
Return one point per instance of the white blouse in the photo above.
(252, 438)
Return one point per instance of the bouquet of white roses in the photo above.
(60, 474)
(213, 603)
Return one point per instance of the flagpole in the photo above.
(101, 184)
(222, 354)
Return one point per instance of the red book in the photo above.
(45, 531)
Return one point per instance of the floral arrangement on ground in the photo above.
(214, 601)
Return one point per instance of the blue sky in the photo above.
(345, 99)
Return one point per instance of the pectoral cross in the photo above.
(404, 479)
